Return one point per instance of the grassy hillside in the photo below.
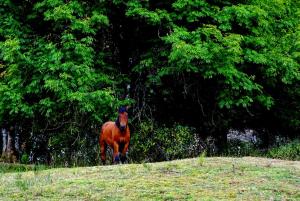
(191, 179)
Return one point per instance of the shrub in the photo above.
(240, 148)
(289, 151)
(153, 143)
(25, 158)
(78, 149)
(10, 167)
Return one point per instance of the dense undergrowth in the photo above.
(289, 151)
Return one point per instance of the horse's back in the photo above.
(106, 132)
(108, 124)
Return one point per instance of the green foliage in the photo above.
(53, 77)
(239, 148)
(82, 149)
(6, 167)
(56, 73)
(201, 158)
(289, 151)
(152, 143)
(212, 65)
(23, 185)
(234, 61)
(24, 158)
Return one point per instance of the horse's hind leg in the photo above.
(103, 151)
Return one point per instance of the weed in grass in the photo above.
(38, 167)
(201, 158)
(237, 168)
(147, 166)
(48, 179)
(232, 194)
(233, 168)
(169, 168)
(269, 164)
(121, 170)
(22, 184)
(132, 170)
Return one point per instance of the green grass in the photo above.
(11, 167)
(217, 178)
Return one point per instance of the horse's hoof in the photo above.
(103, 162)
(117, 159)
(123, 159)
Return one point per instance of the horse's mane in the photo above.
(117, 122)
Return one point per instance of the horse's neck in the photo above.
(117, 122)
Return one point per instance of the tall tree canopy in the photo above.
(222, 63)
(214, 65)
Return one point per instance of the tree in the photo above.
(224, 64)
(213, 65)
(54, 76)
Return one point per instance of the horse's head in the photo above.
(122, 120)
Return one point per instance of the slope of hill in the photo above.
(215, 178)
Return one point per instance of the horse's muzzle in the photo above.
(122, 128)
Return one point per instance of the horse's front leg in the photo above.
(116, 157)
(123, 156)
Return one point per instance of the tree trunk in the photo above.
(221, 139)
(9, 149)
(8, 146)
(4, 141)
(17, 141)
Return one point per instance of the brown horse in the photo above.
(116, 135)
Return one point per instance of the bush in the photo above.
(25, 158)
(289, 151)
(240, 148)
(153, 143)
(77, 149)
(10, 167)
